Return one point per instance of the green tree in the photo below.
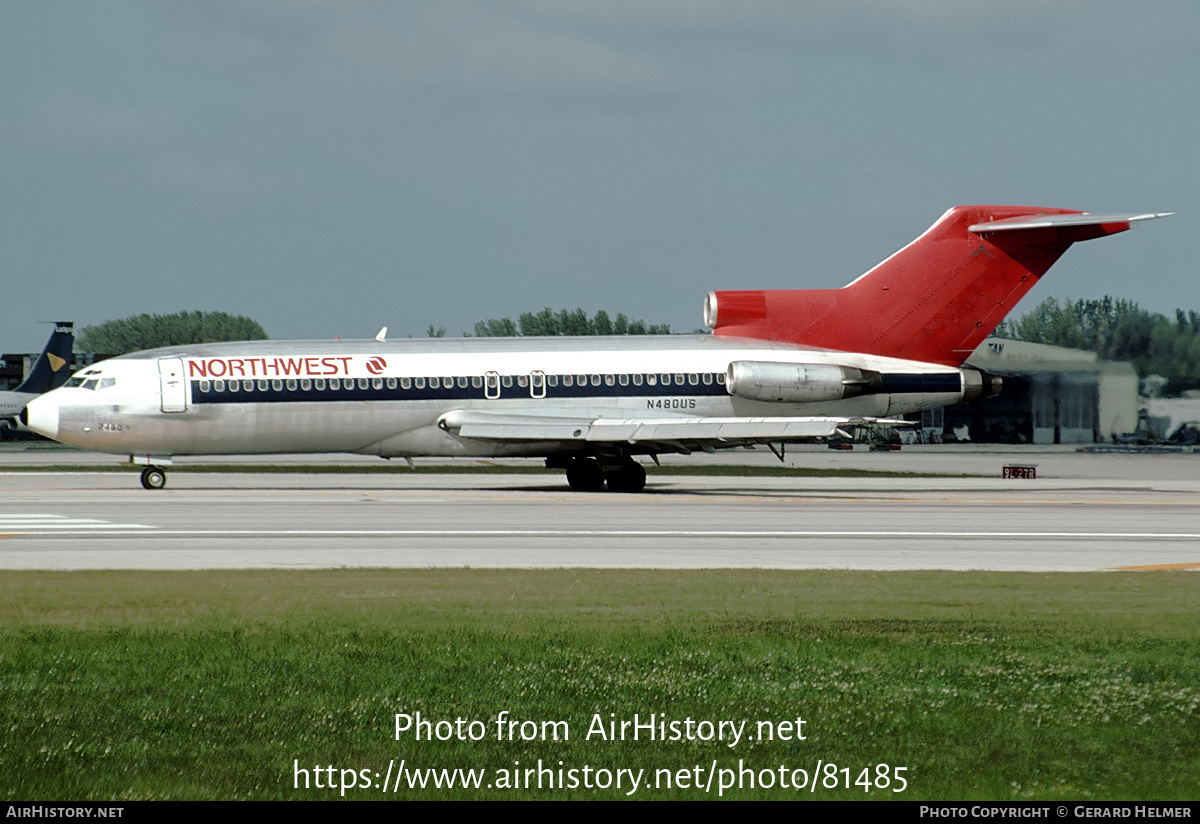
(1117, 330)
(132, 334)
(496, 328)
(548, 323)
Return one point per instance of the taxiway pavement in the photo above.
(1132, 512)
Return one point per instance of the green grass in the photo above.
(128, 685)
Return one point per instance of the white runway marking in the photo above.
(60, 524)
(27, 523)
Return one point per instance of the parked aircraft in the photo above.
(781, 366)
(50, 371)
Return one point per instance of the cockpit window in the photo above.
(90, 383)
(76, 381)
(107, 382)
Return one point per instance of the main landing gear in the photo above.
(589, 475)
(154, 478)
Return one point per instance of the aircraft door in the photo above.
(491, 385)
(537, 384)
(174, 387)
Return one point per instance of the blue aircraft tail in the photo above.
(53, 366)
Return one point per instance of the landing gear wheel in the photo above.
(153, 478)
(585, 475)
(628, 477)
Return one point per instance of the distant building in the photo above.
(1051, 395)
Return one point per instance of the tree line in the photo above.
(563, 322)
(132, 334)
(1117, 330)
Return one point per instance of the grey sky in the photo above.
(328, 168)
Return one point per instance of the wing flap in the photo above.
(720, 431)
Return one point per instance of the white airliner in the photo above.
(781, 366)
(51, 370)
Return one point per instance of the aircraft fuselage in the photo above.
(387, 398)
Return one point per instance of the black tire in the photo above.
(153, 478)
(585, 475)
(630, 477)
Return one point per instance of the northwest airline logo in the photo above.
(376, 365)
(56, 362)
(273, 367)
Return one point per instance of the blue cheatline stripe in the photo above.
(893, 384)
(900, 383)
(443, 393)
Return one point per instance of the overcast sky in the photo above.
(331, 167)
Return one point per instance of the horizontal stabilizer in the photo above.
(1057, 221)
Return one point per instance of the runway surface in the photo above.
(91, 520)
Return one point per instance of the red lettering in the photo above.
(236, 364)
(345, 365)
(310, 366)
(197, 368)
(212, 368)
(291, 366)
(330, 369)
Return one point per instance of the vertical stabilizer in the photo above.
(936, 299)
(53, 366)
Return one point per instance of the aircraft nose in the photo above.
(41, 415)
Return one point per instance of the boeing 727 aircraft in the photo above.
(781, 366)
(50, 371)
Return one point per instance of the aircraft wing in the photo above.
(655, 434)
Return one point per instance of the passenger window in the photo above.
(305, 384)
(420, 383)
(462, 382)
(363, 383)
(205, 386)
(476, 382)
(693, 379)
(334, 383)
(637, 378)
(277, 385)
(320, 384)
(506, 381)
(707, 378)
(234, 386)
(568, 380)
(377, 383)
(609, 380)
(406, 383)
(434, 383)
(552, 380)
(651, 379)
(522, 381)
(291, 384)
(623, 380)
(219, 386)
(595, 380)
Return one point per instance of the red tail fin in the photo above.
(935, 300)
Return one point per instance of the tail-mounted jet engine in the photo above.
(978, 385)
(799, 382)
